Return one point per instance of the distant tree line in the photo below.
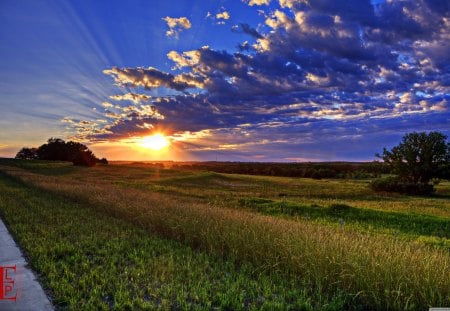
(57, 149)
(415, 166)
(348, 170)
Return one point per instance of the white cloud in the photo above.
(133, 97)
(186, 59)
(223, 15)
(107, 105)
(176, 25)
(258, 2)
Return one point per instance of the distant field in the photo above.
(131, 236)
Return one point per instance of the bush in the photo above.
(395, 184)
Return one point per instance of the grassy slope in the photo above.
(424, 219)
(371, 266)
(90, 260)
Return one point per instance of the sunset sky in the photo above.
(240, 80)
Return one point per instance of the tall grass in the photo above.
(378, 272)
(91, 261)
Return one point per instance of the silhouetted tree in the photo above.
(54, 150)
(57, 149)
(419, 157)
(84, 158)
(27, 154)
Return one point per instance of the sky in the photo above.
(227, 80)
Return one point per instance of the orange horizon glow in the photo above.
(142, 148)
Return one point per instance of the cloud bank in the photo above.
(315, 68)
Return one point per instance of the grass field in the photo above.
(132, 236)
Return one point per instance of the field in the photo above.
(132, 236)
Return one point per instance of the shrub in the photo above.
(395, 184)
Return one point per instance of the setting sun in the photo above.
(155, 142)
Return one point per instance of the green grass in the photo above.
(334, 244)
(395, 222)
(424, 219)
(43, 167)
(88, 260)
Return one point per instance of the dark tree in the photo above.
(79, 154)
(27, 154)
(54, 150)
(84, 158)
(419, 157)
(57, 149)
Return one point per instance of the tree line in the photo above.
(415, 166)
(344, 170)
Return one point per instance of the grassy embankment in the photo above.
(380, 266)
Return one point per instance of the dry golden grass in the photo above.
(379, 271)
(355, 193)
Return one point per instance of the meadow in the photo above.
(132, 236)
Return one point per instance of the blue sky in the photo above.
(254, 80)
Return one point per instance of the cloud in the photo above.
(148, 78)
(67, 120)
(258, 2)
(220, 17)
(186, 59)
(176, 25)
(120, 122)
(133, 97)
(317, 72)
(223, 15)
(247, 29)
(107, 105)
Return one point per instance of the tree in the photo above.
(54, 150)
(27, 154)
(79, 154)
(84, 158)
(57, 149)
(419, 157)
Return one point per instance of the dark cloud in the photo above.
(246, 28)
(439, 6)
(352, 10)
(148, 78)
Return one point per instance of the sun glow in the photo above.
(155, 142)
